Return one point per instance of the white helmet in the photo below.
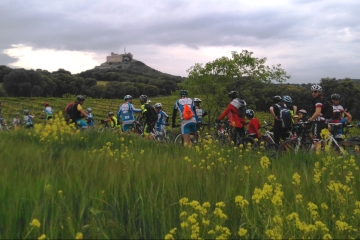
(158, 105)
(197, 100)
(89, 109)
(316, 88)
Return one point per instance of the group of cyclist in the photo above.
(191, 114)
(319, 119)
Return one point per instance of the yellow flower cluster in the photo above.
(339, 190)
(35, 223)
(56, 129)
(272, 192)
(241, 202)
(265, 162)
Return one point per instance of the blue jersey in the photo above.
(179, 105)
(199, 114)
(162, 119)
(90, 120)
(127, 110)
(338, 131)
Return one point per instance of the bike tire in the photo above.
(351, 148)
(249, 143)
(271, 150)
(291, 146)
(179, 139)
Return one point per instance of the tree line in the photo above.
(42, 83)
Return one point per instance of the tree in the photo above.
(17, 83)
(213, 80)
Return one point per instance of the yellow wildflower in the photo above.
(296, 179)
(242, 232)
(264, 162)
(35, 223)
(43, 236)
(79, 235)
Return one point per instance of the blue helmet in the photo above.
(249, 113)
(127, 97)
(287, 99)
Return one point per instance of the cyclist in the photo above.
(317, 117)
(149, 114)
(185, 106)
(231, 111)
(289, 104)
(279, 130)
(200, 112)
(111, 120)
(48, 111)
(338, 130)
(163, 118)
(28, 117)
(127, 110)
(78, 113)
(90, 119)
(17, 121)
(303, 115)
(335, 99)
(254, 124)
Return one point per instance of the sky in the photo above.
(311, 39)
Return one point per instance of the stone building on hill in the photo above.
(117, 58)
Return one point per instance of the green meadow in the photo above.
(58, 182)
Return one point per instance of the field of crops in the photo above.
(58, 182)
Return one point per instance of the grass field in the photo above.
(57, 182)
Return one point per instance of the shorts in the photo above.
(316, 129)
(189, 127)
(126, 127)
(81, 123)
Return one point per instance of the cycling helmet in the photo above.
(110, 113)
(47, 104)
(233, 94)
(143, 99)
(277, 99)
(127, 97)
(17, 114)
(336, 114)
(148, 101)
(197, 100)
(26, 111)
(80, 98)
(183, 93)
(158, 105)
(287, 99)
(316, 88)
(296, 116)
(335, 96)
(249, 113)
(303, 111)
(89, 109)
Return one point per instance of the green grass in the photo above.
(102, 83)
(111, 185)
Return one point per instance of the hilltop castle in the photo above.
(117, 58)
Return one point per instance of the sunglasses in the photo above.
(314, 91)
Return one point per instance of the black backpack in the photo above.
(242, 108)
(152, 116)
(327, 109)
(70, 109)
(285, 116)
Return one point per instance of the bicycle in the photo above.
(268, 141)
(3, 125)
(305, 144)
(225, 136)
(163, 136)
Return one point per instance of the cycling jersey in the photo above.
(127, 110)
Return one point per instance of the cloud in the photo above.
(311, 39)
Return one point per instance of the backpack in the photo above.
(285, 116)
(187, 113)
(327, 110)
(153, 116)
(242, 108)
(69, 109)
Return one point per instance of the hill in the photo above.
(128, 71)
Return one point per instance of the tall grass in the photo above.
(110, 185)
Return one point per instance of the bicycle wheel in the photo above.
(170, 137)
(271, 150)
(349, 148)
(249, 143)
(179, 139)
(293, 146)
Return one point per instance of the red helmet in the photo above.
(46, 104)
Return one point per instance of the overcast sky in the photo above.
(311, 39)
